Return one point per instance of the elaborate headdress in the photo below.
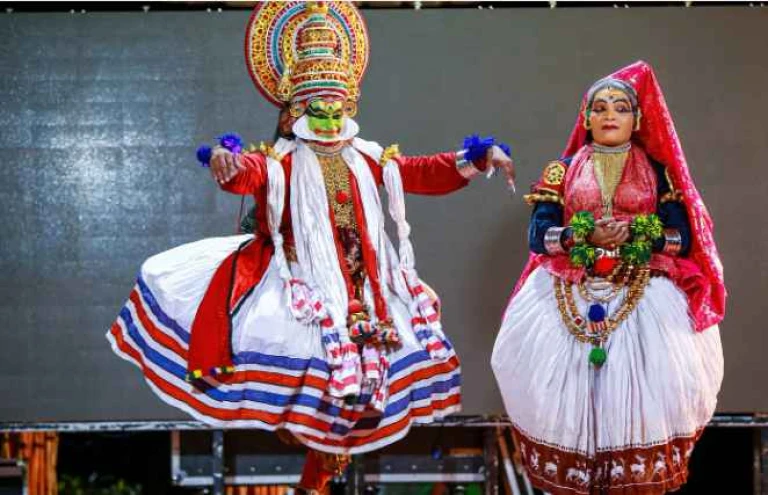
(296, 51)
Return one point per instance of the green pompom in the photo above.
(647, 227)
(637, 252)
(582, 224)
(655, 227)
(597, 356)
(582, 255)
(639, 225)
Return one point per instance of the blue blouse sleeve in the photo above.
(545, 215)
(672, 214)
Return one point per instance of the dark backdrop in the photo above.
(101, 114)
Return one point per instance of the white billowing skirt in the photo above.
(631, 423)
(281, 372)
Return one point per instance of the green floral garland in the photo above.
(582, 224)
(645, 229)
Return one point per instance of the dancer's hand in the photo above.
(609, 233)
(498, 160)
(224, 165)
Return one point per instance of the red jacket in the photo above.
(210, 351)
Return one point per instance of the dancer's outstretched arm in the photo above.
(238, 173)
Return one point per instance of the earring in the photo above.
(350, 108)
(637, 119)
(586, 121)
(297, 109)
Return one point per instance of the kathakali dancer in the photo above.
(609, 358)
(315, 324)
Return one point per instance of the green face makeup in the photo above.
(325, 117)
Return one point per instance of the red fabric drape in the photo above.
(39, 451)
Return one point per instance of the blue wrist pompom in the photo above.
(506, 149)
(231, 141)
(204, 154)
(477, 147)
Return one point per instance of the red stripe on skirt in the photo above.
(220, 414)
(394, 428)
(423, 374)
(271, 378)
(157, 335)
(274, 378)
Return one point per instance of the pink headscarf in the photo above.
(700, 276)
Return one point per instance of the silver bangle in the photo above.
(552, 240)
(673, 242)
(465, 167)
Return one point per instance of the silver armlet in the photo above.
(673, 242)
(465, 167)
(552, 240)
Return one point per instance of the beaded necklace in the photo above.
(597, 327)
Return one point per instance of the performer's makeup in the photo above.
(325, 117)
(611, 118)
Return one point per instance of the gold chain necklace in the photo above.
(608, 168)
(338, 189)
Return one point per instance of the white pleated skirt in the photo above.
(627, 427)
(281, 371)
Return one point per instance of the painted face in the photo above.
(611, 118)
(326, 117)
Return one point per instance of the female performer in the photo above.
(609, 358)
